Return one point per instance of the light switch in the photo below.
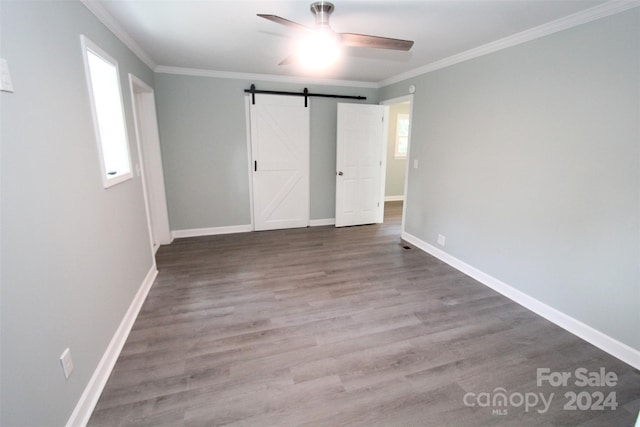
(415, 163)
(5, 78)
(66, 362)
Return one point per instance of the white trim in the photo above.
(247, 113)
(133, 82)
(163, 69)
(579, 18)
(211, 231)
(109, 21)
(91, 393)
(408, 99)
(321, 222)
(612, 346)
(383, 160)
(399, 198)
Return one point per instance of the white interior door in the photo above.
(280, 154)
(360, 159)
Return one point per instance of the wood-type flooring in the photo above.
(345, 327)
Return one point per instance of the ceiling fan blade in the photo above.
(363, 40)
(288, 60)
(285, 22)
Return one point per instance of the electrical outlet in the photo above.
(441, 240)
(66, 362)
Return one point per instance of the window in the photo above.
(108, 114)
(402, 136)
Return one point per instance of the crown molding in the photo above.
(105, 17)
(163, 69)
(601, 11)
(611, 7)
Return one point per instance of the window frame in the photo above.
(396, 154)
(107, 180)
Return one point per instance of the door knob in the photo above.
(340, 173)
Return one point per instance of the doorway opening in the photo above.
(397, 159)
(150, 166)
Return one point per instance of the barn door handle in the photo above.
(340, 173)
(255, 166)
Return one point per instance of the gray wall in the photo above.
(530, 166)
(73, 254)
(203, 136)
(396, 168)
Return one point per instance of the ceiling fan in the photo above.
(321, 45)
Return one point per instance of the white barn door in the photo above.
(280, 161)
(359, 177)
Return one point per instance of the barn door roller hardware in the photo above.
(304, 93)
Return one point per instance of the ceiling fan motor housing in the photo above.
(322, 10)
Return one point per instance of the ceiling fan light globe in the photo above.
(319, 50)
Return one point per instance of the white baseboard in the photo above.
(399, 198)
(211, 231)
(321, 222)
(612, 346)
(89, 399)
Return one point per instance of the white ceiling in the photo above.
(227, 36)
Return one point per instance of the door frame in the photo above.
(392, 101)
(149, 166)
(247, 115)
